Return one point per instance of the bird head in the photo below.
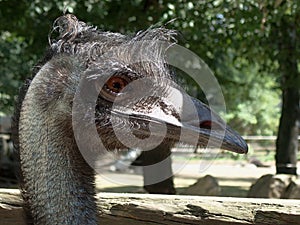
(129, 90)
(137, 112)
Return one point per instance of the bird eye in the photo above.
(116, 84)
(113, 86)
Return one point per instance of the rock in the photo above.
(293, 190)
(270, 186)
(205, 186)
(260, 189)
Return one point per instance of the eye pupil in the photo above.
(117, 86)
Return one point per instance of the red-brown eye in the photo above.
(116, 84)
(113, 86)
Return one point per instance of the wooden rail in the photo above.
(136, 209)
(262, 138)
(257, 143)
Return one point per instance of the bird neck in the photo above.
(58, 185)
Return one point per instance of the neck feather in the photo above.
(58, 185)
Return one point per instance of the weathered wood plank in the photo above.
(11, 211)
(136, 209)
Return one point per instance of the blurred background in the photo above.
(251, 46)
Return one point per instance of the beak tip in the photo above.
(246, 149)
(243, 147)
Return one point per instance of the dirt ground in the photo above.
(234, 177)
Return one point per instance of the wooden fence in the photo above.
(136, 209)
(257, 144)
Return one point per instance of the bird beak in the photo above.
(186, 120)
(212, 130)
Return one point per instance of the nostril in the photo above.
(206, 124)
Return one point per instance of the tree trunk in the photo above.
(157, 170)
(287, 140)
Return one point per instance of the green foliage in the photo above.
(230, 37)
(13, 67)
(252, 96)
